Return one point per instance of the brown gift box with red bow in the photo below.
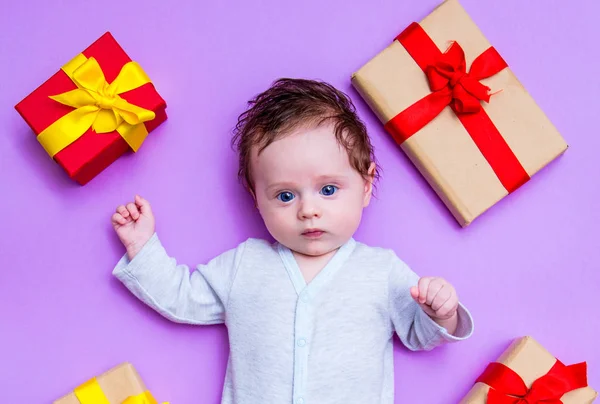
(527, 373)
(473, 149)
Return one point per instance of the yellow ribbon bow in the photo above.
(98, 105)
(90, 392)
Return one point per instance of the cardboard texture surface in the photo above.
(117, 384)
(443, 150)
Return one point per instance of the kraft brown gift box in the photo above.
(443, 150)
(531, 361)
(117, 384)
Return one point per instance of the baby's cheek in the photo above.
(278, 221)
(350, 217)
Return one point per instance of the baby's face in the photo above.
(309, 196)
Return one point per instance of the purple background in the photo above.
(527, 267)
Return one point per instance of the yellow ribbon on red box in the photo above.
(98, 105)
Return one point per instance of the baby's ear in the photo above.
(369, 184)
(371, 172)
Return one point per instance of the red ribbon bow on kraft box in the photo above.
(474, 147)
(526, 373)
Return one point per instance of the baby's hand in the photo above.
(436, 297)
(134, 225)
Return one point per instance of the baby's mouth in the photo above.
(313, 233)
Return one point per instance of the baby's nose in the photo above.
(309, 210)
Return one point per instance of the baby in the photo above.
(311, 316)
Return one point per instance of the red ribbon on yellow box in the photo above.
(98, 105)
(90, 392)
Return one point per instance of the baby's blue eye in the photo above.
(328, 190)
(285, 196)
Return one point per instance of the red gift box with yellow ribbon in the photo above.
(454, 106)
(100, 105)
(119, 385)
(526, 373)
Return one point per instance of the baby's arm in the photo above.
(413, 322)
(156, 279)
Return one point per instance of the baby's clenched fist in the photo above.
(436, 296)
(134, 224)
